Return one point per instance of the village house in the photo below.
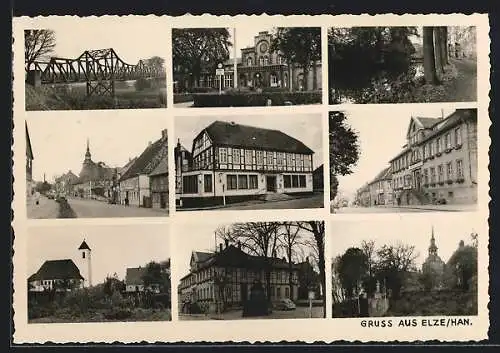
(29, 164)
(380, 188)
(233, 272)
(258, 67)
(159, 185)
(438, 164)
(58, 275)
(65, 184)
(234, 162)
(134, 182)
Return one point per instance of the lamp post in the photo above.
(223, 189)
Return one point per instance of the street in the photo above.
(405, 209)
(313, 201)
(464, 87)
(300, 313)
(45, 209)
(97, 209)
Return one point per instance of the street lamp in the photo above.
(223, 189)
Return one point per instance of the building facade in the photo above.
(183, 163)
(380, 189)
(158, 179)
(29, 164)
(65, 184)
(227, 277)
(134, 183)
(233, 162)
(257, 67)
(439, 162)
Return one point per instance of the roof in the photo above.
(161, 168)
(237, 135)
(95, 171)
(451, 121)
(57, 269)
(427, 123)
(84, 246)
(148, 160)
(385, 174)
(318, 170)
(202, 256)
(127, 166)
(134, 275)
(29, 150)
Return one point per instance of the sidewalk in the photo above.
(444, 208)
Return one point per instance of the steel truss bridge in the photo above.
(99, 69)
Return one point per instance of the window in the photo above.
(279, 160)
(274, 80)
(449, 170)
(288, 160)
(438, 145)
(426, 176)
(295, 181)
(287, 181)
(248, 157)
(83, 254)
(266, 60)
(432, 150)
(433, 174)
(279, 60)
(207, 181)
(190, 184)
(252, 182)
(232, 182)
(458, 136)
(460, 170)
(440, 173)
(447, 139)
(424, 152)
(261, 61)
(249, 61)
(242, 181)
(287, 292)
(222, 155)
(302, 181)
(260, 157)
(278, 292)
(236, 156)
(228, 80)
(269, 158)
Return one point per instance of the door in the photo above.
(416, 179)
(271, 183)
(163, 200)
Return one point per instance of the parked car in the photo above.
(285, 304)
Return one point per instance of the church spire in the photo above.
(433, 248)
(88, 157)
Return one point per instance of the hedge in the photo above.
(183, 97)
(252, 99)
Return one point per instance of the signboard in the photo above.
(219, 72)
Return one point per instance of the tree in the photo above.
(368, 249)
(259, 239)
(395, 261)
(430, 73)
(290, 240)
(300, 46)
(156, 275)
(196, 49)
(156, 62)
(344, 148)
(317, 229)
(464, 265)
(112, 284)
(352, 270)
(38, 43)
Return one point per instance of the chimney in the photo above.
(220, 247)
(164, 134)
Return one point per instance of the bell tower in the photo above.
(433, 248)
(85, 262)
(88, 156)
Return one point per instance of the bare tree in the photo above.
(290, 240)
(38, 43)
(259, 239)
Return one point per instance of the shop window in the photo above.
(287, 181)
(253, 182)
(302, 181)
(232, 182)
(207, 180)
(190, 184)
(242, 182)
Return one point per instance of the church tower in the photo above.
(433, 267)
(433, 249)
(85, 263)
(88, 157)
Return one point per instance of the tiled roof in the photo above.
(383, 175)
(237, 135)
(57, 269)
(202, 256)
(95, 171)
(452, 120)
(148, 160)
(161, 168)
(134, 275)
(427, 123)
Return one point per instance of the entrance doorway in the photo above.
(416, 179)
(271, 183)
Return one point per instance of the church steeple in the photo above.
(433, 248)
(88, 157)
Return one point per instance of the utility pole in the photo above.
(235, 63)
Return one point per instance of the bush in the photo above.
(182, 97)
(253, 99)
(203, 89)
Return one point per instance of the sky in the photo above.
(381, 135)
(298, 126)
(245, 38)
(200, 237)
(59, 142)
(448, 231)
(131, 39)
(113, 248)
